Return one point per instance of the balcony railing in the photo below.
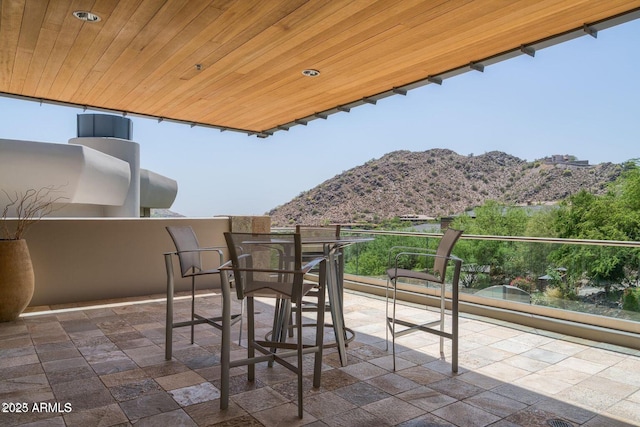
(79, 260)
(522, 292)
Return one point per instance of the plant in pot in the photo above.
(16, 271)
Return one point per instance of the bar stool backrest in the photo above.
(187, 247)
(443, 252)
(311, 231)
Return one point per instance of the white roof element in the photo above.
(83, 175)
(88, 181)
(156, 191)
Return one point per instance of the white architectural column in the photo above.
(126, 150)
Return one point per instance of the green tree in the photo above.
(372, 258)
(631, 299)
(612, 216)
(502, 258)
(536, 255)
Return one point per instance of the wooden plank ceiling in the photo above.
(238, 63)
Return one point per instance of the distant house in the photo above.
(565, 159)
(414, 217)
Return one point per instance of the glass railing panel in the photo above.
(564, 274)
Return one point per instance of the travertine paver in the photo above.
(104, 365)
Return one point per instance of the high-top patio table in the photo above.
(333, 247)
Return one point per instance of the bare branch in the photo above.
(30, 207)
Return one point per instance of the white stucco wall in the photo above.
(156, 191)
(128, 151)
(78, 172)
(96, 177)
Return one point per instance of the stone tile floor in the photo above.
(104, 365)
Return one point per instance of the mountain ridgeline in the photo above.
(440, 182)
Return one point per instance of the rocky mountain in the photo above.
(440, 182)
(165, 213)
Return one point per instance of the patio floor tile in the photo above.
(461, 413)
(108, 363)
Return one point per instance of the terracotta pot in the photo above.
(16, 278)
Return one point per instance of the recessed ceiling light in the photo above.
(86, 16)
(311, 73)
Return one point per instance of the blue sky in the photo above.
(579, 98)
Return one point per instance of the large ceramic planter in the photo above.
(16, 278)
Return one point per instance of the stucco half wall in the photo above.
(89, 259)
(78, 260)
